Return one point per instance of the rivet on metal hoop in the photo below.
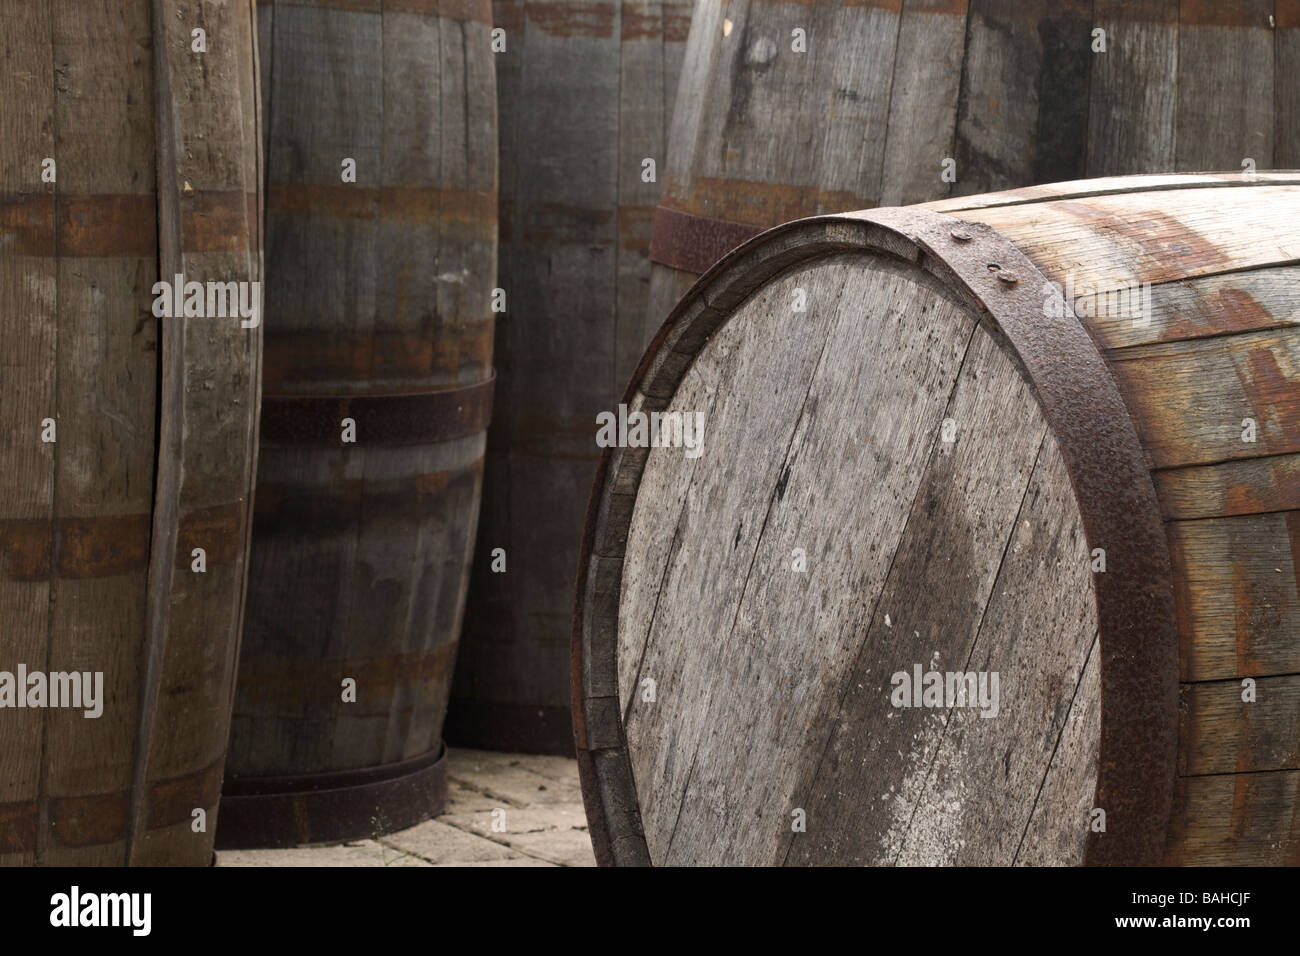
(1006, 278)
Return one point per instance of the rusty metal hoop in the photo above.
(332, 807)
(397, 418)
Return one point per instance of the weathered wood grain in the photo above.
(1057, 827)
(1242, 487)
(156, 418)
(1286, 78)
(29, 329)
(943, 576)
(653, 36)
(1036, 630)
(667, 482)
(210, 402)
(97, 475)
(726, 163)
(728, 545)
(1246, 819)
(1238, 598)
(1024, 100)
(555, 357)
(1134, 92)
(381, 287)
(1012, 91)
(731, 832)
(667, 287)
(1222, 733)
(1195, 400)
(1232, 302)
(1119, 239)
(923, 100)
(585, 90)
(1108, 186)
(1225, 83)
(750, 141)
(699, 53)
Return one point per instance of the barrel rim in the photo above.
(259, 812)
(1137, 622)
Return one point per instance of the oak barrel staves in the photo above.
(586, 87)
(381, 257)
(129, 157)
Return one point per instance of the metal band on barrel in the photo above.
(261, 812)
(400, 418)
(693, 243)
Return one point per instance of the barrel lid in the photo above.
(1098, 444)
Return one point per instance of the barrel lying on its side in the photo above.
(381, 257)
(990, 550)
(128, 441)
(586, 89)
(885, 98)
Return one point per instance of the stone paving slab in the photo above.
(559, 769)
(514, 778)
(513, 861)
(502, 810)
(555, 833)
(437, 842)
(362, 853)
(463, 798)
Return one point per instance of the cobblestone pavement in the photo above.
(535, 799)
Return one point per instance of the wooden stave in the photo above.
(131, 794)
(1264, 768)
(421, 388)
(510, 690)
(942, 27)
(139, 152)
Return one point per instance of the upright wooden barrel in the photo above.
(990, 551)
(1008, 92)
(128, 426)
(586, 87)
(381, 256)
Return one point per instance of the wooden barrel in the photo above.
(128, 427)
(989, 553)
(586, 87)
(377, 393)
(1011, 92)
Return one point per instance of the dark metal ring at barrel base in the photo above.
(332, 807)
(397, 418)
(1107, 468)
